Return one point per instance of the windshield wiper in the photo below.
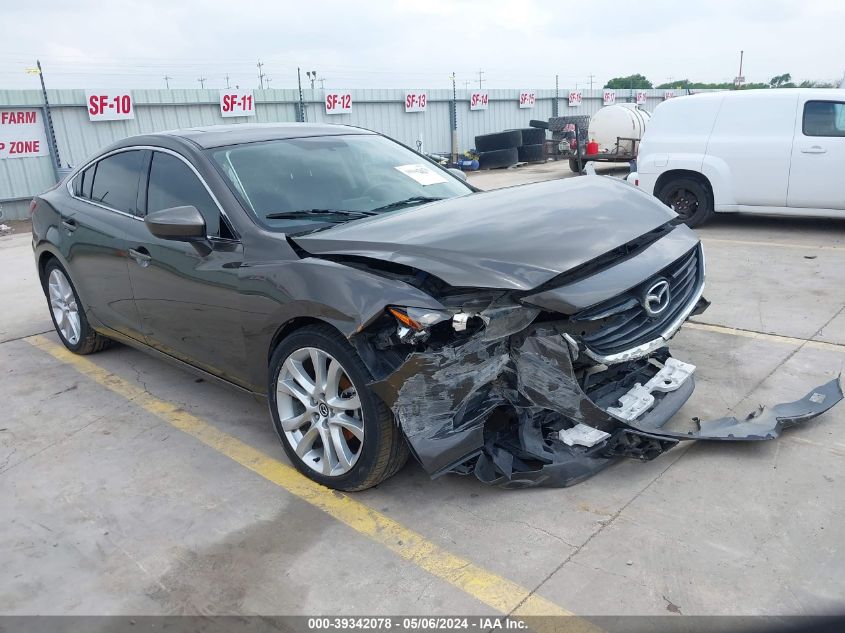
(293, 215)
(407, 202)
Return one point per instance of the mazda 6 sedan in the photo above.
(384, 307)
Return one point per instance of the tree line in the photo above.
(640, 82)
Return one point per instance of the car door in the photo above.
(818, 155)
(100, 217)
(188, 300)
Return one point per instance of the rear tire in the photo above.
(68, 313)
(370, 439)
(689, 198)
(573, 165)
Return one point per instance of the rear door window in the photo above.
(173, 184)
(824, 118)
(115, 182)
(83, 182)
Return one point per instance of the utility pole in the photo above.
(57, 163)
(454, 116)
(167, 79)
(260, 75)
(202, 82)
(227, 82)
(480, 72)
(739, 80)
(301, 117)
(591, 81)
(555, 104)
(466, 85)
(312, 76)
(269, 79)
(322, 81)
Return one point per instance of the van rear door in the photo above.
(752, 142)
(818, 154)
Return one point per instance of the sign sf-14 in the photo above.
(22, 134)
(479, 101)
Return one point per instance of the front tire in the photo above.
(689, 198)
(334, 429)
(68, 313)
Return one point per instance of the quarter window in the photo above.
(174, 184)
(115, 182)
(824, 118)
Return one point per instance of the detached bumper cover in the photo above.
(766, 423)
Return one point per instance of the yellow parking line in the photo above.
(805, 247)
(490, 588)
(762, 336)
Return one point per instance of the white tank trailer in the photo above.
(617, 129)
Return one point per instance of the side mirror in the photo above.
(181, 224)
(184, 224)
(458, 173)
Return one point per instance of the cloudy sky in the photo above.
(408, 44)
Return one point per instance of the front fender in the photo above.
(347, 298)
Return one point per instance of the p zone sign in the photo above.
(22, 134)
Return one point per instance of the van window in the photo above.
(824, 118)
(173, 184)
(116, 181)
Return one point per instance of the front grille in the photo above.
(626, 324)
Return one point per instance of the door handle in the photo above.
(69, 224)
(141, 256)
(813, 149)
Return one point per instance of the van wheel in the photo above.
(687, 197)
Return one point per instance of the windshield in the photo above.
(294, 184)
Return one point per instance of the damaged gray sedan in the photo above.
(385, 307)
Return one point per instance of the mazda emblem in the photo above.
(656, 298)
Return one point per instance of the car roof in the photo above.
(221, 135)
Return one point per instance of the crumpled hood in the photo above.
(514, 238)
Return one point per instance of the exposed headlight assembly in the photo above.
(414, 322)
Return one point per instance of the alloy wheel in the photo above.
(320, 411)
(64, 307)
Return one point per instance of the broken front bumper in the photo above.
(502, 404)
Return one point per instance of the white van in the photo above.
(776, 151)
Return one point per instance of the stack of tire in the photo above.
(532, 149)
(505, 149)
(499, 149)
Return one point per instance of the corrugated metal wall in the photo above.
(156, 110)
